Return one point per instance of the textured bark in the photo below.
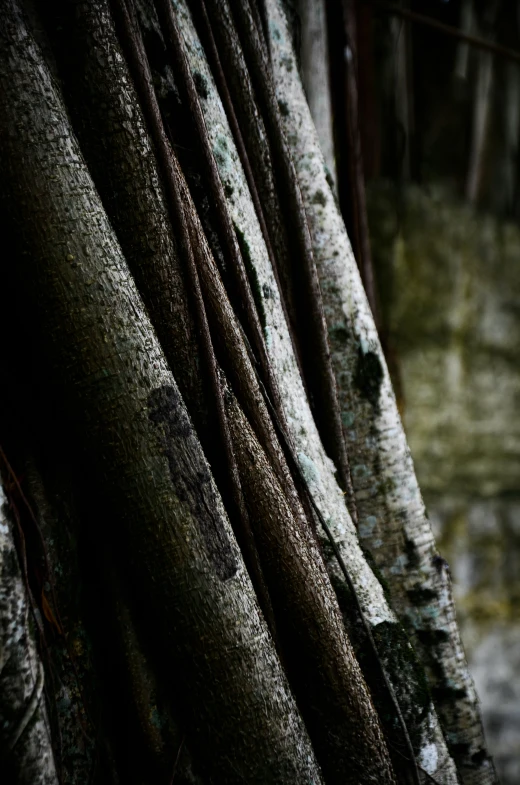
(164, 519)
(392, 520)
(310, 320)
(185, 683)
(233, 268)
(230, 73)
(301, 608)
(123, 163)
(189, 242)
(259, 154)
(121, 158)
(26, 755)
(336, 705)
(93, 650)
(315, 465)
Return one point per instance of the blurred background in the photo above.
(417, 105)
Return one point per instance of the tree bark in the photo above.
(393, 524)
(188, 482)
(166, 519)
(314, 463)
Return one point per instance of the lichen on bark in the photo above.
(393, 524)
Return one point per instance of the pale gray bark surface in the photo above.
(316, 466)
(392, 519)
(454, 277)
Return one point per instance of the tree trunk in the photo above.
(173, 452)
(393, 523)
